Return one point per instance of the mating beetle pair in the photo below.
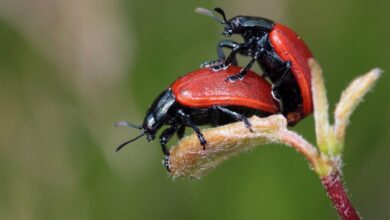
(218, 97)
(279, 51)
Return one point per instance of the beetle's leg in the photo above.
(244, 49)
(221, 62)
(236, 116)
(232, 58)
(224, 44)
(215, 64)
(243, 71)
(180, 131)
(165, 136)
(275, 86)
(187, 121)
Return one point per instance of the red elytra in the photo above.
(289, 46)
(204, 88)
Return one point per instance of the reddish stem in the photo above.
(335, 190)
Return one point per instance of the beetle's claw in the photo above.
(234, 78)
(203, 142)
(219, 67)
(214, 64)
(249, 126)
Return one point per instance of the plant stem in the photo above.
(336, 192)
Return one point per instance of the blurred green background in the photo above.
(69, 69)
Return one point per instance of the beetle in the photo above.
(280, 52)
(203, 97)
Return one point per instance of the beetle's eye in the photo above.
(236, 23)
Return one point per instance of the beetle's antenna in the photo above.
(127, 124)
(206, 12)
(129, 141)
(221, 12)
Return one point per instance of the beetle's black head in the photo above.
(156, 117)
(238, 24)
(232, 26)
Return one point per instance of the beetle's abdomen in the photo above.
(290, 47)
(205, 88)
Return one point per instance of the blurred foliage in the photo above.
(69, 69)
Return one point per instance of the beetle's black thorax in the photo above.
(160, 112)
(241, 23)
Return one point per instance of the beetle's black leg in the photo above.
(243, 49)
(221, 62)
(180, 131)
(275, 86)
(215, 64)
(232, 58)
(256, 56)
(164, 138)
(187, 121)
(242, 72)
(236, 116)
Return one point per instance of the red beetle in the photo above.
(279, 51)
(204, 97)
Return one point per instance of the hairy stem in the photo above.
(336, 192)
